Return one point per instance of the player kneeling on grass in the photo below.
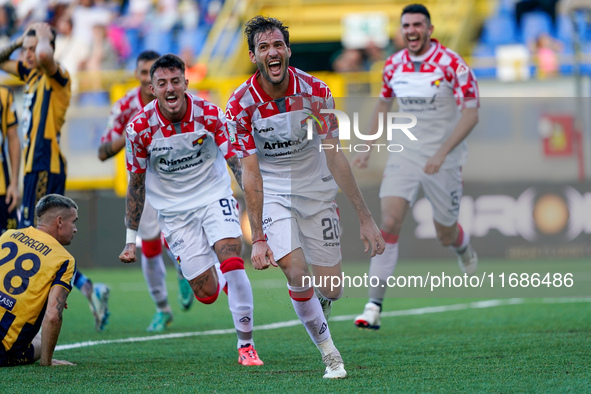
(35, 280)
(177, 150)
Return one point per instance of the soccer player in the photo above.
(289, 185)
(112, 141)
(35, 280)
(177, 149)
(435, 84)
(46, 99)
(9, 193)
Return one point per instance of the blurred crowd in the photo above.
(97, 35)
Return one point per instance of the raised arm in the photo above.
(341, 171)
(52, 324)
(10, 66)
(44, 51)
(136, 194)
(261, 256)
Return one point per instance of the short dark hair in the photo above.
(147, 56)
(262, 24)
(168, 61)
(52, 201)
(417, 9)
(31, 33)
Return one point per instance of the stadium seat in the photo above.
(483, 61)
(499, 30)
(534, 24)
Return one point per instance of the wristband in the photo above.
(130, 236)
(259, 240)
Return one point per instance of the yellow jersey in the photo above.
(31, 262)
(7, 119)
(46, 100)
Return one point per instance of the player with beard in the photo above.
(112, 141)
(289, 185)
(177, 150)
(435, 84)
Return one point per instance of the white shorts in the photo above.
(149, 228)
(292, 222)
(191, 235)
(402, 178)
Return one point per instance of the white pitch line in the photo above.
(292, 323)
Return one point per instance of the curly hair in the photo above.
(262, 24)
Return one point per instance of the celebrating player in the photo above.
(289, 186)
(112, 141)
(425, 69)
(46, 100)
(9, 194)
(35, 297)
(176, 148)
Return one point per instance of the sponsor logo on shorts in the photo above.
(231, 220)
(327, 178)
(178, 245)
(7, 301)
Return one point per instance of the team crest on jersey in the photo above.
(437, 82)
(199, 141)
(178, 260)
(304, 123)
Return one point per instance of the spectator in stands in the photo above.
(546, 50)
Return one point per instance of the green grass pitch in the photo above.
(511, 345)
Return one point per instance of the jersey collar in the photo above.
(427, 56)
(186, 119)
(264, 97)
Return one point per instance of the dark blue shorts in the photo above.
(8, 221)
(14, 358)
(36, 185)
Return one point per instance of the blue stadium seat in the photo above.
(564, 29)
(533, 24)
(499, 30)
(485, 52)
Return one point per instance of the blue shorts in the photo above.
(14, 358)
(36, 185)
(8, 221)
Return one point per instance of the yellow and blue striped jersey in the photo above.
(46, 100)
(31, 262)
(7, 119)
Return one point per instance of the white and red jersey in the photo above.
(435, 87)
(185, 163)
(276, 130)
(121, 113)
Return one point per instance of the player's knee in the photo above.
(300, 294)
(390, 225)
(331, 294)
(207, 298)
(446, 238)
(231, 264)
(151, 248)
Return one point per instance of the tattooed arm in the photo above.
(236, 167)
(10, 66)
(52, 324)
(136, 194)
